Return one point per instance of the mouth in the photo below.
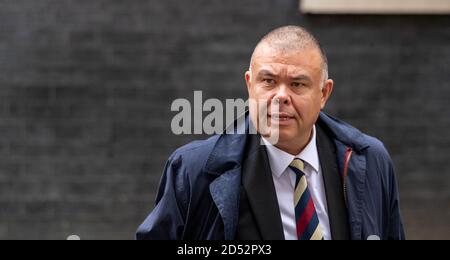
(281, 117)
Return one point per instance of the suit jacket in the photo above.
(200, 191)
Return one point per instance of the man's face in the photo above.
(290, 82)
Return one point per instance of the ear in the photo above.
(248, 79)
(326, 92)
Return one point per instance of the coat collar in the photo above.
(229, 149)
(344, 132)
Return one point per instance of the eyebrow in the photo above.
(266, 73)
(300, 78)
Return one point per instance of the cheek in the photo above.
(253, 91)
(260, 95)
(307, 107)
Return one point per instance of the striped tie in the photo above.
(308, 227)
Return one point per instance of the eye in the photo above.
(269, 81)
(297, 84)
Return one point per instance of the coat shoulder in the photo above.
(194, 155)
(377, 150)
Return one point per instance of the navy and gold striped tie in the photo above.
(308, 226)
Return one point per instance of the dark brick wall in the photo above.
(86, 88)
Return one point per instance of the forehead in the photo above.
(306, 60)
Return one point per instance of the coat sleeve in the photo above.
(396, 231)
(166, 221)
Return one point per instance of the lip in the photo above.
(281, 118)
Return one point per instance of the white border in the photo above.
(375, 6)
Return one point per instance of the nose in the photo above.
(282, 96)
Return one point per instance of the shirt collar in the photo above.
(280, 160)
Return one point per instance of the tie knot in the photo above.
(298, 164)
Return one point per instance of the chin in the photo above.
(284, 135)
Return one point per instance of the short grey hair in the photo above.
(293, 37)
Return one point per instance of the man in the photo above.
(321, 179)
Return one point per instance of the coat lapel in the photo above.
(224, 163)
(354, 183)
(337, 211)
(225, 194)
(346, 137)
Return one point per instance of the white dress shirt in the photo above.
(284, 180)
